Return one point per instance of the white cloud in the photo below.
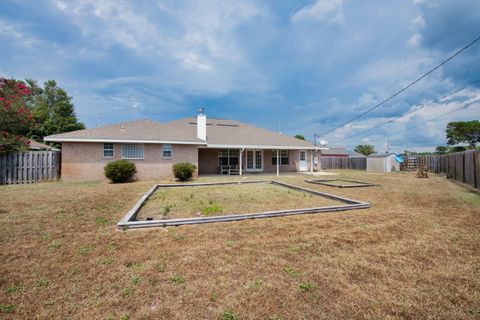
(14, 32)
(195, 42)
(418, 23)
(327, 11)
(415, 40)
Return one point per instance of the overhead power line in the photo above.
(412, 111)
(430, 120)
(404, 88)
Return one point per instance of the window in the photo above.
(228, 157)
(283, 157)
(108, 150)
(132, 151)
(167, 150)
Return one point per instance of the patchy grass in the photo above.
(227, 199)
(414, 254)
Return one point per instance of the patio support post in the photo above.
(311, 162)
(278, 162)
(240, 160)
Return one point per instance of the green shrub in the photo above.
(184, 171)
(120, 171)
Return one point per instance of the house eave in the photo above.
(123, 141)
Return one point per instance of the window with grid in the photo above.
(167, 150)
(283, 157)
(228, 157)
(108, 150)
(132, 151)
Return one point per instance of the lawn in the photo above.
(414, 254)
(186, 202)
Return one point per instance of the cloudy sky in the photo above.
(294, 66)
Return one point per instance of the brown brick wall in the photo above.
(208, 161)
(84, 161)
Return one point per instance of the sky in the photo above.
(298, 67)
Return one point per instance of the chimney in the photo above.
(201, 125)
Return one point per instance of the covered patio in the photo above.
(254, 160)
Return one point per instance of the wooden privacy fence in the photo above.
(357, 163)
(29, 167)
(461, 166)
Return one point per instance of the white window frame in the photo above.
(112, 149)
(285, 154)
(167, 148)
(132, 157)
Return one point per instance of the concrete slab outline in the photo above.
(352, 184)
(129, 222)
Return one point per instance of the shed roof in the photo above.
(381, 155)
(355, 154)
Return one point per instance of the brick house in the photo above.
(215, 146)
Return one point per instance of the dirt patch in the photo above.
(187, 202)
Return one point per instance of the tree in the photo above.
(299, 136)
(365, 149)
(442, 149)
(458, 149)
(463, 132)
(15, 117)
(53, 110)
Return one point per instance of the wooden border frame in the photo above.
(128, 221)
(357, 184)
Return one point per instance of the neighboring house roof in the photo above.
(354, 154)
(34, 145)
(335, 151)
(220, 133)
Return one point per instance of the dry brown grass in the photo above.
(415, 254)
(185, 202)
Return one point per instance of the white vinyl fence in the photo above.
(29, 167)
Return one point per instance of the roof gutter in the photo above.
(268, 147)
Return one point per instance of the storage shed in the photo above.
(385, 162)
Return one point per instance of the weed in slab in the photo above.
(85, 250)
(257, 284)
(136, 280)
(105, 261)
(100, 221)
(178, 279)
(127, 291)
(55, 244)
(305, 286)
(229, 315)
(13, 289)
(7, 308)
(290, 271)
(212, 208)
(214, 297)
(42, 282)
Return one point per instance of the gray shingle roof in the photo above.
(335, 151)
(220, 132)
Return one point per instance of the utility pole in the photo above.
(388, 144)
